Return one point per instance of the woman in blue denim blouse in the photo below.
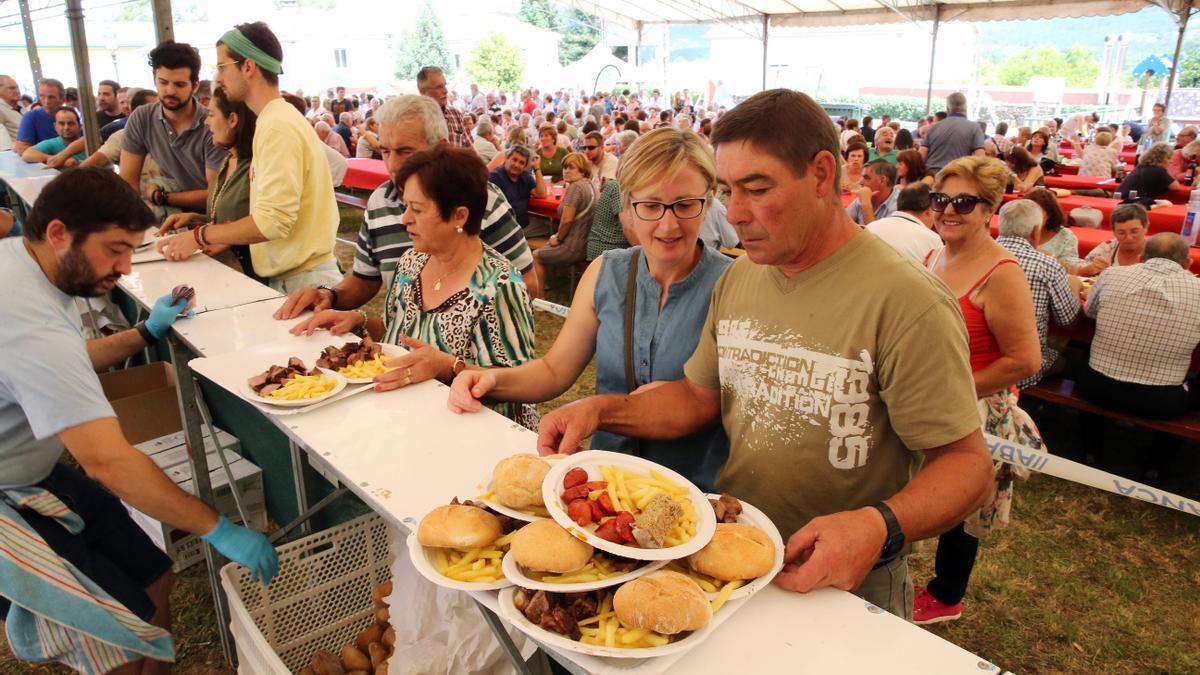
(667, 179)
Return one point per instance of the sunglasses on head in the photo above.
(963, 204)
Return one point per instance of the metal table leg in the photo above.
(298, 473)
(190, 415)
(505, 639)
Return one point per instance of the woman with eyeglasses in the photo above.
(997, 306)
(638, 310)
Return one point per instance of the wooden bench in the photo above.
(1062, 392)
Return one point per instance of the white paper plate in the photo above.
(591, 461)
(251, 395)
(752, 516)
(514, 573)
(388, 350)
(485, 487)
(516, 618)
(423, 559)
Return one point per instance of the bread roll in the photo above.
(544, 546)
(664, 602)
(517, 481)
(736, 551)
(458, 526)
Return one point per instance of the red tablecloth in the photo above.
(364, 174)
(1077, 182)
(1072, 169)
(547, 206)
(1167, 219)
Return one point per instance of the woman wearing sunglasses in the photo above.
(667, 181)
(998, 309)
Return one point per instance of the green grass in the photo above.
(1083, 581)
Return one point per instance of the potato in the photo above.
(306, 671)
(354, 659)
(382, 615)
(379, 654)
(389, 638)
(380, 594)
(372, 633)
(325, 663)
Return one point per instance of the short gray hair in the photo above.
(1170, 246)
(519, 150)
(422, 107)
(1019, 218)
(483, 129)
(626, 138)
(956, 102)
(1127, 212)
(321, 126)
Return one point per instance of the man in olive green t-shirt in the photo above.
(838, 367)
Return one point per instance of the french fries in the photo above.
(630, 491)
(597, 569)
(539, 511)
(478, 565)
(301, 387)
(365, 369)
(726, 591)
(605, 630)
(706, 583)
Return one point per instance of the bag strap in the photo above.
(630, 314)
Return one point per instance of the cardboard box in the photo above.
(144, 399)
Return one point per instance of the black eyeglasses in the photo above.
(590, 147)
(683, 209)
(963, 204)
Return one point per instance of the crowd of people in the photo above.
(797, 376)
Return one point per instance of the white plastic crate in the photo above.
(320, 600)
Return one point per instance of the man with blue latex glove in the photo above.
(245, 547)
(78, 241)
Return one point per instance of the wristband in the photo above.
(895, 535)
(198, 235)
(143, 331)
(333, 294)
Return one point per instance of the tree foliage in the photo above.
(577, 29)
(1189, 66)
(139, 10)
(496, 62)
(423, 45)
(1078, 66)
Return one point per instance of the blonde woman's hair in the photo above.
(1158, 155)
(988, 174)
(660, 155)
(576, 160)
(1103, 138)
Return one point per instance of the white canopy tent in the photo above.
(756, 17)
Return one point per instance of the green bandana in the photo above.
(242, 46)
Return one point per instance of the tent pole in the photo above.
(937, 17)
(1183, 22)
(35, 62)
(83, 74)
(637, 50)
(164, 25)
(766, 25)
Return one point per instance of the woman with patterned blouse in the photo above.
(454, 302)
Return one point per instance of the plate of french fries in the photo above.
(601, 572)
(603, 634)
(364, 372)
(628, 506)
(475, 569)
(300, 390)
(722, 591)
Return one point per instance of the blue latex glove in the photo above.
(163, 315)
(245, 547)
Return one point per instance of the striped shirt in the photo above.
(382, 239)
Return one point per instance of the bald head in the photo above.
(1170, 246)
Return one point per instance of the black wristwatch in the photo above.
(333, 300)
(147, 336)
(895, 536)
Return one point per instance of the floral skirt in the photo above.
(1001, 416)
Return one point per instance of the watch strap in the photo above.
(333, 294)
(894, 542)
(144, 331)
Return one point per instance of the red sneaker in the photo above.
(928, 609)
